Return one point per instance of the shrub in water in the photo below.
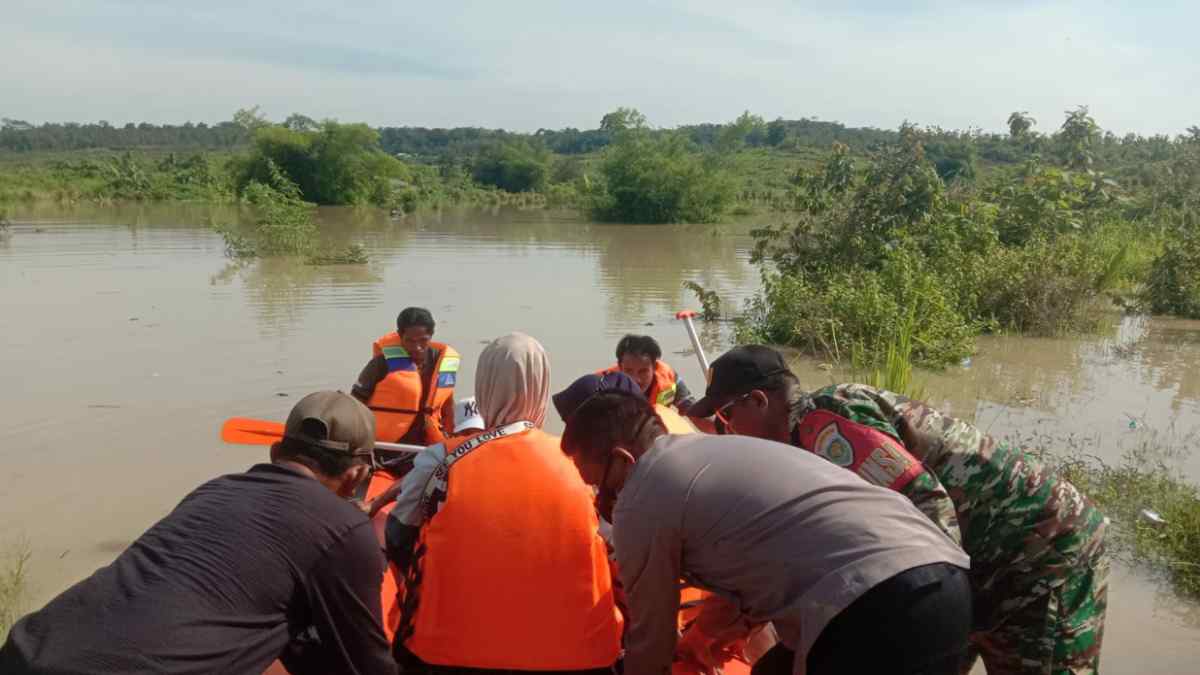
(1173, 286)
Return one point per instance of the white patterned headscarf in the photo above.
(512, 381)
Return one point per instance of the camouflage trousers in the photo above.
(1050, 628)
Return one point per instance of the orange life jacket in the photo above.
(396, 400)
(662, 390)
(509, 570)
(673, 421)
(875, 456)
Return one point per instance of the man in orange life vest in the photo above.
(640, 357)
(409, 382)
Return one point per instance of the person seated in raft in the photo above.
(496, 537)
(409, 382)
(242, 564)
(640, 357)
(1039, 569)
(853, 577)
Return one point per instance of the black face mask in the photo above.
(606, 497)
(606, 501)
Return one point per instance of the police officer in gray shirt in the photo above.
(853, 577)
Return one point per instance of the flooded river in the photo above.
(129, 338)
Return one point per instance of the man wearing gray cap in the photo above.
(273, 563)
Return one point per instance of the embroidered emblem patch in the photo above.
(833, 446)
(884, 465)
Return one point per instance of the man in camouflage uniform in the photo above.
(1039, 571)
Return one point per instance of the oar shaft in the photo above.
(691, 331)
(398, 447)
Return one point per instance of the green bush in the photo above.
(283, 222)
(660, 179)
(862, 312)
(333, 164)
(1173, 286)
(513, 166)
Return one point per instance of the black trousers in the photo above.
(915, 623)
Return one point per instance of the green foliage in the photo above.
(354, 254)
(1037, 249)
(1020, 124)
(1077, 139)
(660, 179)
(513, 166)
(1173, 286)
(622, 119)
(710, 302)
(1146, 480)
(777, 132)
(283, 223)
(894, 371)
(1050, 285)
(860, 311)
(747, 129)
(333, 164)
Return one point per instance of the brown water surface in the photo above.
(129, 338)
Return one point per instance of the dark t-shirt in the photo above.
(223, 584)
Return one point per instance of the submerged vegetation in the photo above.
(1155, 510)
(14, 562)
(1042, 247)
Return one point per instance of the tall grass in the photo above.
(1154, 508)
(894, 370)
(14, 569)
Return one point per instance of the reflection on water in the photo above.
(129, 337)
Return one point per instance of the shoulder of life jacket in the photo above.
(673, 421)
(396, 400)
(662, 390)
(875, 456)
(510, 554)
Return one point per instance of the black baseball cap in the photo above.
(737, 371)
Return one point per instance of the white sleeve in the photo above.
(412, 486)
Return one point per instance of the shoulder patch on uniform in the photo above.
(885, 465)
(833, 446)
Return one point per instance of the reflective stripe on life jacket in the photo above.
(875, 456)
(396, 400)
(509, 572)
(662, 390)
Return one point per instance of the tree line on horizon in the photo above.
(954, 150)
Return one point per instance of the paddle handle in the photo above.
(398, 447)
(686, 316)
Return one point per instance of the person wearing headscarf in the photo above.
(495, 536)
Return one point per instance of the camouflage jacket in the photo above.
(1019, 519)
(924, 491)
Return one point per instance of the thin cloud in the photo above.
(550, 64)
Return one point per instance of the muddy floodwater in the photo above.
(128, 338)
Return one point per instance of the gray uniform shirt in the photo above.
(787, 536)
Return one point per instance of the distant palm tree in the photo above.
(1019, 123)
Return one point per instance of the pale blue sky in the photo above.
(529, 64)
